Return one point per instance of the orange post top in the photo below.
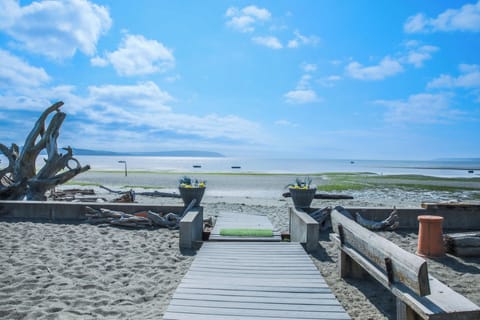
(428, 218)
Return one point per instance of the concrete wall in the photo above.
(191, 229)
(69, 211)
(303, 229)
(466, 218)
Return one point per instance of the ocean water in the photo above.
(438, 168)
(443, 168)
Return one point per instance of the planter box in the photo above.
(188, 194)
(302, 198)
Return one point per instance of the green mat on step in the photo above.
(246, 232)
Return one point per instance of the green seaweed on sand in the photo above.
(364, 181)
(81, 183)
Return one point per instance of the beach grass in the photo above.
(364, 181)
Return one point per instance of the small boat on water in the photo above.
(236, 167)
(197, 166)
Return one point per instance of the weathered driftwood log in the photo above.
(21, 171)
(324, 196)
(147, 193)
(322, 216)
(388, 224)
(126, 197)
(463, 244)
(137, 220)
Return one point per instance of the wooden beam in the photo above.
(406, 267)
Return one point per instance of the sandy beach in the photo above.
(59, 271)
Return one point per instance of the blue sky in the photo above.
(307, 79)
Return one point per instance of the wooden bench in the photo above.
(419, 296)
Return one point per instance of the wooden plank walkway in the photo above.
(228, 220)
(253, 280)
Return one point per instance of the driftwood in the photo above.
(322, 216)
(147, 193)
(126, 197)
(323, 196)
(388, 224)
(20, 179)
(463, 244)
(141, 219)
(70, 194)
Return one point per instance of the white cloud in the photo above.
(300, 96)
(244, 20)
(415, 23)
(467, 18)
(258, 13)
(421, 108)
(309, 67)
(417, 56)
(304, 82)
(130, 100)
(17, 72)
(173, 78)
(386, 68)
(137, 56)
(270, 42)
(329, 81)
(286, 123)
(301, 40)
(99, 61)
(9, 11)
(469, 79)
(242, 23)
(146, 105)
(39, 97)
(303, 92)
(56, 29)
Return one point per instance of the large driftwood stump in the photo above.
(20, 179)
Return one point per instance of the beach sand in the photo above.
(68, 271)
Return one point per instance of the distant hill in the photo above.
(178, 153)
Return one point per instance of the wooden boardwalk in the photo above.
(253, 280)
(242, 221)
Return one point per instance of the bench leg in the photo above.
(404, 312)
(347, 267)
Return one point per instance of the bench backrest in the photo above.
(399, 265)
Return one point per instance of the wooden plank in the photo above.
(238, 284)
(407, 268)
(219, 311)
(218, 286)
(300, 293)
(323, 299)
(442, 302)
(189, 316)
(286, 306)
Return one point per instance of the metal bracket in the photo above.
(341, 234)
(389, 269)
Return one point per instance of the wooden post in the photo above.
(404, 312)
(348, 267)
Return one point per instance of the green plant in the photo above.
(301, 183)
(188, 182)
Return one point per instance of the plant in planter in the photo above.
(190, 189)
(302, 192)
